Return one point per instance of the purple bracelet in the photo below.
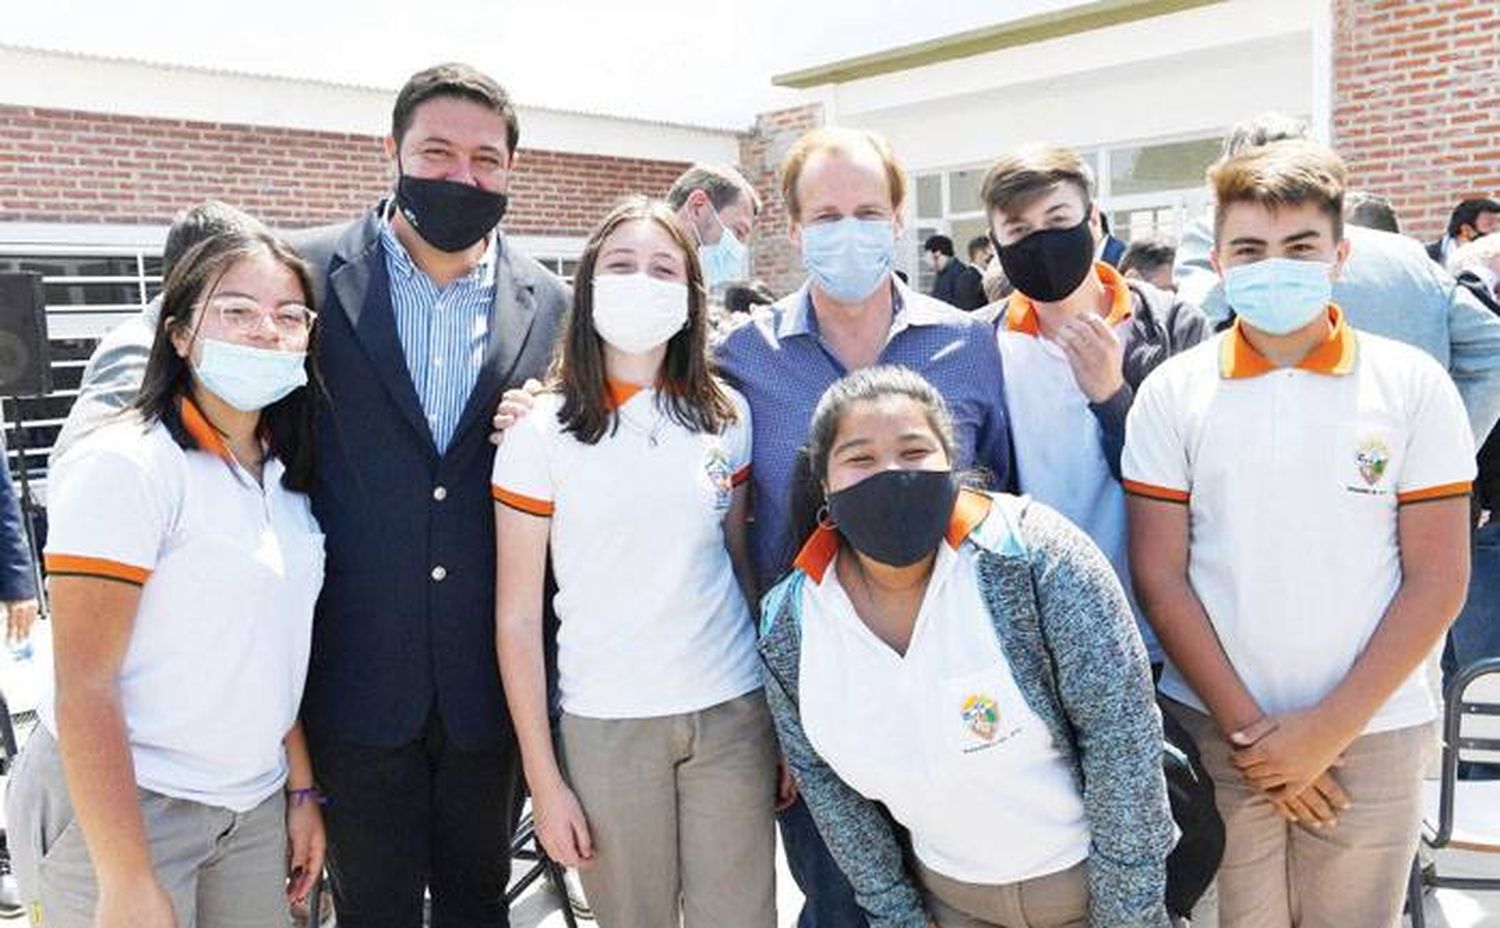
(311, 794)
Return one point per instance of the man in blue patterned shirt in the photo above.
(844, 191)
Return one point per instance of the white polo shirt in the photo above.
(1057, 442)
(1293, 478)
(652, 619)
(229, 572)
(942, 734)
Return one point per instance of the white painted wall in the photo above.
(68, 81)
(1171, 76)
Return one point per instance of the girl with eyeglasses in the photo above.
(169, 783)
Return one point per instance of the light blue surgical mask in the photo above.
(1279, 295)
(249, 379)
(848, 258)
(723, 261)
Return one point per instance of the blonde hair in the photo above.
(846, 142)
(1280, 174)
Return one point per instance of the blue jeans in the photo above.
(830, 898)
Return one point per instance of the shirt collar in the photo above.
(1334, 356)
(196, 424)
(401, 262)
(823, 545)
(799, 318)
(1020, 311)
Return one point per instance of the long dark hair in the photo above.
(810, 471)
(286, 424)
(686, 388)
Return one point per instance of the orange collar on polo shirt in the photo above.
(1334, 356)
(619, 392)
(970, 510)
(202, 431)
(1020, 311)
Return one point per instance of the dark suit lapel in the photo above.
(511, 319)
(364, 291)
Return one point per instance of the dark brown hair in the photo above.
(454, 80)
(1280, 174)
(1018, 178)
(686, 387)
(286, 424)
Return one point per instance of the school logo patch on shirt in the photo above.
(981, 716)
(1372, 456)
(720, 474)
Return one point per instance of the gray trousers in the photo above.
(222, 869)
(681, 810)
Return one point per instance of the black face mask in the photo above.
(448, 215)
(896, 517)
(1049, 264)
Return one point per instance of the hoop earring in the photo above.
(825, 519)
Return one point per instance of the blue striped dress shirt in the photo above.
(444, 332)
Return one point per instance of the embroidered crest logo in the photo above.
(982, 716)
(1372, 456)
(720, 474)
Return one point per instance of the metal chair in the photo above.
(1471, 734)
(525, 847)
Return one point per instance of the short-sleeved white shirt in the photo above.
(1293, 478)
(652, 619)
(229, 571)
(942, 735)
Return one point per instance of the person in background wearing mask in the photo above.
(1469, 220)
(844, 191)
(112, 378)
(1077, 340)
(997, 670)
(429, 314)
(634, 467)
(719, 206)
(1299, 540)
(184, 562)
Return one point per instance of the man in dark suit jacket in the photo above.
(426, 315)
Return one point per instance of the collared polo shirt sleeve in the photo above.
(522, 476)
(1154, 463)
(108, 516)
(1439, 450)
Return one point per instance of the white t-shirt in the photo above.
(1057, 440)
(941, 735)
(1293, 478)
(229, 573)
(652, 619)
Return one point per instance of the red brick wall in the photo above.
(72, 166)
(761, 150)
(1416, 103)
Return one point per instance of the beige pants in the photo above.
(1352, 875)
(222, 869)
(1057, 900)
(681, 810)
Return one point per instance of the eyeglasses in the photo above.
(292, 321)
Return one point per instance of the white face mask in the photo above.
(637, 312)
(249, 378)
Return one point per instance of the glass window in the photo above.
(930, 196)
(963, 190)
(1169, 166)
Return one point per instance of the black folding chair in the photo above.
(1471, 734)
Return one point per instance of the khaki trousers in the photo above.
(681, 809)
(1277, 875)
(1056, 900)
(222, 869)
